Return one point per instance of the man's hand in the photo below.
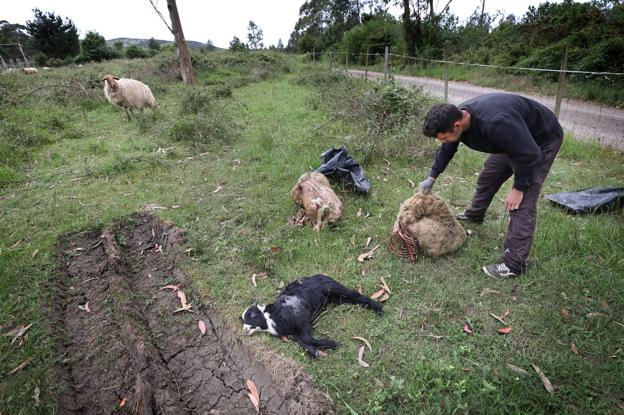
(426, 185)
(513, 200)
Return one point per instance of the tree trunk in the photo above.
(409, 32)
(188, 76)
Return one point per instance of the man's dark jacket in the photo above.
(505, 123)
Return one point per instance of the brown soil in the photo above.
(132, 354)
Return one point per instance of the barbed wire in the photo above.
(481, 65)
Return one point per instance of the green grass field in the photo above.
(87, 165)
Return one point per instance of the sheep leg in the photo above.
(127, 114)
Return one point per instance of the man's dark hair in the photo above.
(440, 119)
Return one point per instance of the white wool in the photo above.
(129, 93)
(30, 71)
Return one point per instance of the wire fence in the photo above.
(555, 88)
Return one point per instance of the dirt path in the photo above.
(128, 351)
(585, 120)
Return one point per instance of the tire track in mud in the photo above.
(128, 352)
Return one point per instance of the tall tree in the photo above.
(184, 58)
(323, 23)
(53, 36)
(12, 35)
(254, 35)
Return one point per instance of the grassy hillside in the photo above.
(219, 159)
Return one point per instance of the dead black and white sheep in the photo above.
(128, 94)
(425, 224)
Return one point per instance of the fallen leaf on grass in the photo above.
(35, 252)
(186, 308)
(16, 244)
(377, 294)
(285, 339)
(359, 212)
(367, 255)
(467, 329)
(359, 357)
(36, 394)
(18, 332)
(170, 287)
(384, 285)
(359, 289)
(487, 291)
(122, 403)
(573, 348)
(321, 353)
(253, 394)
(21, 366)
(384, 297)
(547, 385)
(411, 183)
(498, 318)
(364, 340)
(565, 313)
(219, 188)
(87, 308)
(504, 330)
(507, 312)
(182, 298)
(594, 315)
(517, 369)
(202, 327)
(368, 241)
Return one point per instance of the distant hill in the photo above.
(143, 42)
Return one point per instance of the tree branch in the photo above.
(161, 16)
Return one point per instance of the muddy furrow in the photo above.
(128, 351)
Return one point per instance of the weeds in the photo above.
(392, 115)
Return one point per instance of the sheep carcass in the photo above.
(426, 224)
(321, 206)
(128, 94)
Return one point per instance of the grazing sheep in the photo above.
(321, 206)
(426, 224)
(30, 71)
(129, 94)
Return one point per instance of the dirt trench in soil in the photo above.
(131, 354)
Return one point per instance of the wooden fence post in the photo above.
(561, 87)
(446, 72)
(386, 56)
(366, 64)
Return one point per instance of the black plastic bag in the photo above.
(598, 199)
(338, 165)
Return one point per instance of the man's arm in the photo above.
(443, 156)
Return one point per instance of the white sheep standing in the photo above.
(30, 71)
(129, 94)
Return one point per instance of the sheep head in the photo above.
(111, 80)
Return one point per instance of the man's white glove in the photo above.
(426, 185)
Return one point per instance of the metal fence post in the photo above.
(561, 88)
(386, 56)
(446, 72)
(366, 64)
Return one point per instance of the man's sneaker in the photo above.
(462, 217)
(499, 271)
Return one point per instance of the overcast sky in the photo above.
(202, 20)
